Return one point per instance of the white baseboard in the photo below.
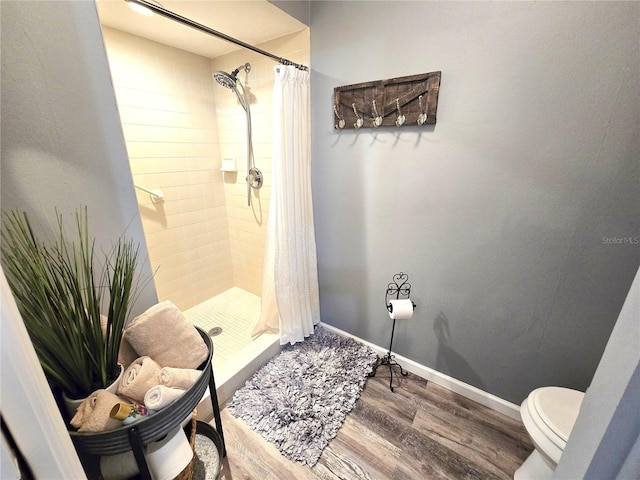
(469, 391)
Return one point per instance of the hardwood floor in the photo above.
(420, 431)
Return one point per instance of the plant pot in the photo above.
(72, 404)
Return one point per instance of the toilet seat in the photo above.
(558, 408)
(549, 414)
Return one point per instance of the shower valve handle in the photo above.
(254, 178)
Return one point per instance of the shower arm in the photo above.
(203, 28)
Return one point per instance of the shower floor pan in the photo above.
(235, 356)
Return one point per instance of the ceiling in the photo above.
(252, 22)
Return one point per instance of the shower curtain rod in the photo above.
(203, 28)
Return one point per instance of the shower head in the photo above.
(225, 79)
(228, 80)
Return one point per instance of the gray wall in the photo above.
(62, 143)
(505, 215)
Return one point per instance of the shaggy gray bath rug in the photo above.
(299, 399)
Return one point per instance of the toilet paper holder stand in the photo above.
(398, 289)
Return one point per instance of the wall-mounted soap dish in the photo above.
(229, 164)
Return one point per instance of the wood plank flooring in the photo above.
(420, 431)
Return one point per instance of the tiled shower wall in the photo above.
(178, 124)
(247, 225)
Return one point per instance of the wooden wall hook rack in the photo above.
(385, 102)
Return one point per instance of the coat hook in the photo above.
(377, 119)
(340, 125)
(422, 118)
(360, 120)
(401, 118)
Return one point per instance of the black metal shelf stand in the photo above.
(153, 428)
(398, 288)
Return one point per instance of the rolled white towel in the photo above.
(179, 377)
(160, 396)
(139, 377)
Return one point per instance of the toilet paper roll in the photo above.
(401, 309)
(168, 457)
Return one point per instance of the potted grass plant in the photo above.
(74, 301)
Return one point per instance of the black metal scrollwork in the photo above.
(399, 287)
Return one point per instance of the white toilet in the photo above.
(548, 414)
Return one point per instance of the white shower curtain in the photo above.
(290, 302)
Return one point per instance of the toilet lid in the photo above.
(558, 407)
